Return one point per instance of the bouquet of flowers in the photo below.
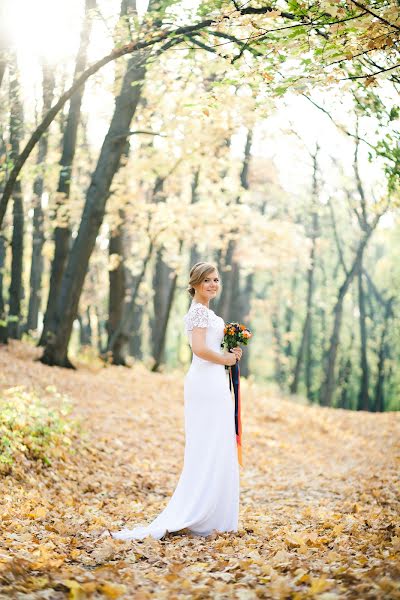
(235, 334)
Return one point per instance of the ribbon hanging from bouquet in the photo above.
(234, 381)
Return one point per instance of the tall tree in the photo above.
(114, 145)
(307, 331)
(164, 318)
(17, 241)
(62, 231)
(3, 312)
(116, 295)
(229, 300)
(38, 238)
(386, 301)
(363, 395)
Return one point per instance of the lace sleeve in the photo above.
(196, 317)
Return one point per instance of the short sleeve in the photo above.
(196, 317)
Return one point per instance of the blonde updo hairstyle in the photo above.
(198, 273)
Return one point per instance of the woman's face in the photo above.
(209, 287)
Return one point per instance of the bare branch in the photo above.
(336, 237)
(370, 74)
(368, 10)
(139, 131)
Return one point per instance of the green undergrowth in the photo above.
(32, 428)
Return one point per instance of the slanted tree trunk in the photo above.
(17, 241)
(56, 349)
(363, 396)
(62, 231)
(35, 280)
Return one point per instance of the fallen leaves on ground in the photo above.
(319, 497)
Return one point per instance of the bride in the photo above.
(206, 497)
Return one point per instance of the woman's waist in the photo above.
(202, 364)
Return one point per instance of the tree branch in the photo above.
(336, 237)
(139, 131)
(334, 122)
(363, 7)
(370, 74)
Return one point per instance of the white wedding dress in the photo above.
(206, 497)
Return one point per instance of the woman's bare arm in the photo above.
(201, 349)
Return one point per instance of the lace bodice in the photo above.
(201, 316)
(198, 316)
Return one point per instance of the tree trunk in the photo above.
(277, 342)
(383, 355)
(162, 320)
(306, 332)
(344, 383)
(56, 350)
(116, 297)
(38, 239)
(245, 303)
(163, 279)
(328, 386)
(131, 316)
(225, 298)
(17, 241)
(309, 363)
(62, 231)
(3, 313)
(228, 301)
(305, 342)
(289, 318)
(194, 253)
(135, 339)
(85, 328)
(363, 396)
(162, 284)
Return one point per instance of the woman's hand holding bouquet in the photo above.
(234, 334)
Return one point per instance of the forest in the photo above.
(137, 138)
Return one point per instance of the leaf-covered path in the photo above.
(319, 497)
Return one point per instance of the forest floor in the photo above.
(319, 496)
